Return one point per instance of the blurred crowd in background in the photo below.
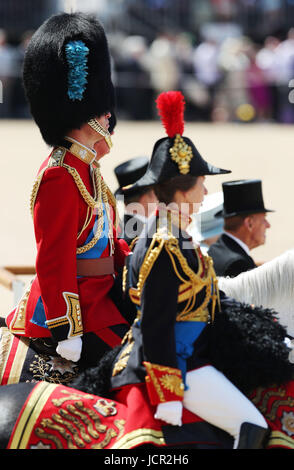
(232, 59)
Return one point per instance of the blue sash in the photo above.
(186, 333)
(97, 250)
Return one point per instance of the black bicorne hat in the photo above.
(242, 197)
(175, 154)
(67, 74)
(130, 171)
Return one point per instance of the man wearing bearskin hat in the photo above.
(68, 308)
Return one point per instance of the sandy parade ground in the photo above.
(250, 150)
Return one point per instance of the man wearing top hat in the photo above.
(244, 227)
(139, 204)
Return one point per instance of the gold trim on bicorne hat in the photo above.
(128, 186)
(181, 153)
(163, 383)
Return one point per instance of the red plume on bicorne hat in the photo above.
(173, 155)
(171, 106)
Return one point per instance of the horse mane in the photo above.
(96, 380)
(270, 285)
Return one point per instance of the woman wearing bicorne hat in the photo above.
(163, 371)
(68, 308)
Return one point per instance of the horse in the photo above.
(87, 414)
(45, 415)
(81, 411)
(270, 285)
(50, 416)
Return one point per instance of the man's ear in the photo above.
(248, 222)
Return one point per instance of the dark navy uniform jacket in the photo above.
(229, 258)
(173, 308)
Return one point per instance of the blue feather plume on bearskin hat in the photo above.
(67, 74)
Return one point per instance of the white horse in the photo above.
(270, 285)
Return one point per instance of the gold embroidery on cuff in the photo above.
(73, 316)
(73, 313)
(164, 378)
(172, 383)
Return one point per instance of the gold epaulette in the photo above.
(56, 159)
(159, 240)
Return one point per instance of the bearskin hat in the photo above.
(67, 74)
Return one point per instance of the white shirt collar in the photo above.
(237, 240)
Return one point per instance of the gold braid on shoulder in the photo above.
(102, 194)
(208, 281)
(165, 239)
(154, 250)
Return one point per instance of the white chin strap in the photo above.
(101, 131)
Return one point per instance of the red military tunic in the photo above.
(59, 303)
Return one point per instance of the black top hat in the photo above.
(67, 74)
(242, 197)
(175, 154)
(130, 171)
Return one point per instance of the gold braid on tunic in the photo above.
(191, 282)
(102, 194)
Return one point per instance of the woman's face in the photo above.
(193, 198)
